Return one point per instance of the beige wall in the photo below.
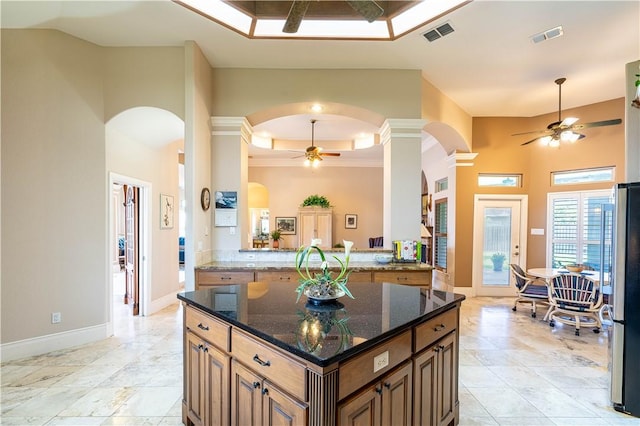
(144, 76)
(54, 193)
(55, 91)
(199, 99)
(356, 190)
(499, 152)
(390, 93)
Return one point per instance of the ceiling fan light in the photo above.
(315, 162)
(307, 162)
(545, 140)
(569, 136)
(554, 143)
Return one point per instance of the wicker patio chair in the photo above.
(531, 289)
(575, 300)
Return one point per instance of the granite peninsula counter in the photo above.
(254, 356)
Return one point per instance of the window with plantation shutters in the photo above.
(574, 227)
(440, 234)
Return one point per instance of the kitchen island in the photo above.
(254, 356)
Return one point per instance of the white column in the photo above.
(402, 143)
(229, 172)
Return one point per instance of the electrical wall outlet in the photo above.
(380, 361)
(56, 317)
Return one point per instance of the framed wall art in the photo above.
(166, 211)
(350, 221)
(286, 225)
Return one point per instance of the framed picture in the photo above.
(166, 211)
(286, 225)
(226, 200)
(351, 221)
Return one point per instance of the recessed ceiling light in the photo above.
(548, 34)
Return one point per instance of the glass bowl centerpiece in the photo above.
(321, 287)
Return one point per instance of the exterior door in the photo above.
(499, 239)
(131, 229)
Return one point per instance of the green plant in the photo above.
(498, 257)
(276, 234)
(322, 284)
(316, 200)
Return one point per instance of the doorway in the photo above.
(499, 239)
(128, 281)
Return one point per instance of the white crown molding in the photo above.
(461, 159)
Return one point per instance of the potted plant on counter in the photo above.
(276, 236)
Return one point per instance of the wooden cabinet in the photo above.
(206, 369)
(275, 276)
(315, 223)
(257, 401)
(234, 377)
(422, 278)
(386, 402)
(436, 383)
(210, 277)
(207, 393)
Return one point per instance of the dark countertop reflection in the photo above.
(328, 333)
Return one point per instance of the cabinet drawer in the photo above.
(403, 277)
(221, 277)
(360, 277)
(435, 328)
(362, 369)
(208, 328)
(269, 363)
(275, 276)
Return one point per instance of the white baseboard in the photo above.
(163, 302)
(466, 291)
(52, 342)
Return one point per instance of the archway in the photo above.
(143, 147)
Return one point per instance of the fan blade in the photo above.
(539, 132)
(330, 154)
(596, 124)
(369, 9)
(296, 13)
(528, 142)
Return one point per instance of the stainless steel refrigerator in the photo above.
(624, 300)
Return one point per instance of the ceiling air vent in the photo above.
(438, 32)
(547, 35)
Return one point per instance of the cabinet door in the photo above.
(194, 370)
(217, 372)
(246, 396)
(324, 228)
(279, 409)
(425, 375)
(447, 379)
(307, 228)
(363, 410)
(396, 397)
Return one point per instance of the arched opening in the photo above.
(144, 147)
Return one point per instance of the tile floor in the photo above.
(514, 370)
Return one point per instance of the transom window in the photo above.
(507, 180)
(571, 177)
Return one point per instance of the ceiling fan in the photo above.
(369, 9)
(313, 154)
(564, 130)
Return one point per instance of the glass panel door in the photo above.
(497, 235)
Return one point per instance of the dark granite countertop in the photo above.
(289, 266)
(323, 334)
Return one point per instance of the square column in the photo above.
(402, 147)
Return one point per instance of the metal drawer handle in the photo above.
(265, 391)
(379, 390)
(439, 327)
(285, 278)
(203, 327)
(225, 278)
(256, 385)
(257, 359)
(402, 278)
